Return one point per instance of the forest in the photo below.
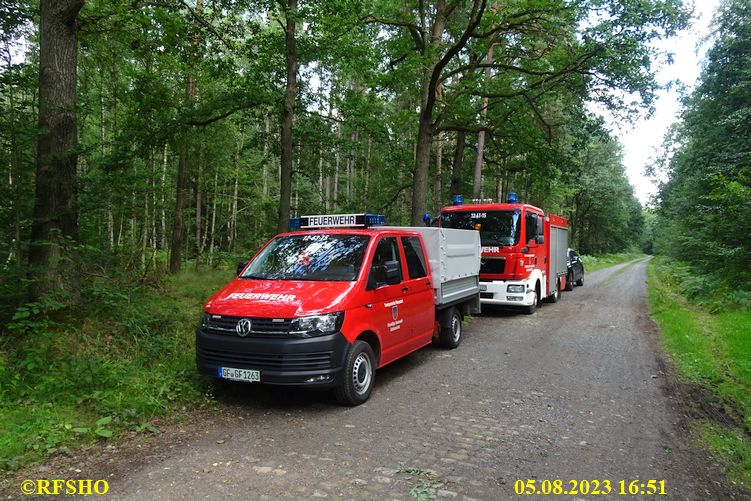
(148, 145)
(143, 137)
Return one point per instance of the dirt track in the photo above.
(576, 391)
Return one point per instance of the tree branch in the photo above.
(207, 25)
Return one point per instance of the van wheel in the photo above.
(451, 331)
(580, 282)
(570, 281)
(359, 375)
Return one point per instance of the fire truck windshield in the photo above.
(496, 227)
(318, 257)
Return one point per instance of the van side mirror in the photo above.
(532, 244)
(540, 239)
(240, 266)
(388, 273)
(393, 272)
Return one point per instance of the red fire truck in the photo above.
(327, 305)
(523, 250)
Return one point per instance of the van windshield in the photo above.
(499, 227)
(336, 258)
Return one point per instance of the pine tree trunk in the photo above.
(181, 192)
(14, 174)
(422, 165)
(199, 216)
(456, 169)
(163, 194)
(367, 170)
(52, 257)
(232, 233)
(288, 113)
(477, 177)
(213, 218)
(437, 189)
(266, 158)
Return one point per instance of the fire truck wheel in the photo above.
(556, 293)
(359, 374)
(532, 307)
(451, 330)
(569, 281)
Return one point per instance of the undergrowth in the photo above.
(601, 261)
(73, 376)
(711, 349)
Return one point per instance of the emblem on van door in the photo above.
(394, 312)
(243, 327)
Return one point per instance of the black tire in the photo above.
(451, 329)
(580, 282)
(569, 281)
(359, 375)
(557, 293)
(533, 307)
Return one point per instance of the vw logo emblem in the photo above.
(243, 327)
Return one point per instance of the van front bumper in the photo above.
(315, 361)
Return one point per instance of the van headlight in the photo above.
(205, 320)
(316, 325)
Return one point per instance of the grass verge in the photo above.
(594, 263)
(75, 377)
(712, 351)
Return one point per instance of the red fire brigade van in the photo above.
(523, 250)
(327, 305)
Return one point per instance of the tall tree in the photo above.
(183, 168)
(288, 111)
(52, 256)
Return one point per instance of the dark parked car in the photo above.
(575, 270)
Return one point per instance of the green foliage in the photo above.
(601, 261)
(734, 447)
(704, 216)
(126, 356)
(713, 351)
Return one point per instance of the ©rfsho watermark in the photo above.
(65, 487)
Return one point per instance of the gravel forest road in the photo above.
(577, 391)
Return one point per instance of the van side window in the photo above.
(415, 257)
(387, 250)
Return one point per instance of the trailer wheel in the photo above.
(532, 307)
(569, 281)
(359, 375)
(451, 329)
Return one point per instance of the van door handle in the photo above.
(405, 289)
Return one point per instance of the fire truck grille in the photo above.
(491, 265)
(267, 361)
(260, 327)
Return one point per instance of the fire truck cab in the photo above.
(327, 305)
(523, 250)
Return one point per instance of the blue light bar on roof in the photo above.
(337, 221)
(512, 198)
(375, 220)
